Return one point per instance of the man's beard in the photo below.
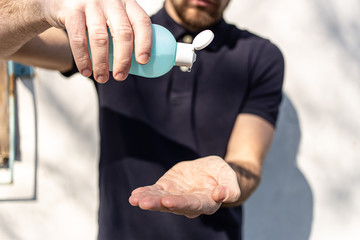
(195, 17)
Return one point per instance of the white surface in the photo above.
(62, 202)
(311, 183)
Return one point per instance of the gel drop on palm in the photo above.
(166, 53)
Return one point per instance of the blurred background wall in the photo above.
(311, 183)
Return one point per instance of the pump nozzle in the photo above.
(185, 53)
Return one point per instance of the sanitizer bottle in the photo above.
(166, 53)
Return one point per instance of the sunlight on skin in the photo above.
(188, 189)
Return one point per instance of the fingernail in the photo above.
(102, 78)
(120, 76)
(144, 58)
(86, 73)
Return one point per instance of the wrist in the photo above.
(24, 17)
(248, 176)
(20, 21)
(34, 15)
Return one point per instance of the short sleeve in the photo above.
(266, 74)
(72, 71)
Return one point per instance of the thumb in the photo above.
(226, 194)
(220, 193)
(228, 189)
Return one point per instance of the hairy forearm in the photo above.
(49, 49)
(249, 176)
(20, 21)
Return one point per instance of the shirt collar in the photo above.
(219, 29)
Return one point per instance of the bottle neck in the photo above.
(185, 55)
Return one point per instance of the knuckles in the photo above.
(123, 33)
(99, 38)
(79, 42)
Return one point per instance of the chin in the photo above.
(198, 19)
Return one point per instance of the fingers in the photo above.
(91, 17)
(154, 198)
(122, 37)
(98, 39)
(142, 192)
(148, 198)
(141, 25)
(165, 202)
(125, 19)
(147, 188)
(124, 23)
(76, 29)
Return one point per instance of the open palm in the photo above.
(190, 188)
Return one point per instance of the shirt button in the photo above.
(187, 39)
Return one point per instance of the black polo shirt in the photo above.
(148, 125)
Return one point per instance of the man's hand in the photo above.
(190, 188)
(125, 19)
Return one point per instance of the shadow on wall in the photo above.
(282, 206)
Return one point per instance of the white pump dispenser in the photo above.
(185, 52)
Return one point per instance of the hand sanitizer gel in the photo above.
(166, 53)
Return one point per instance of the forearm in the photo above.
(20, 21)
(250, 140)
(50, 49)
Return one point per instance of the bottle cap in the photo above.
(185, 53)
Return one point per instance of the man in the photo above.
(190, 144)
(22, 20)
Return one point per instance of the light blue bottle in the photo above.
(166, 53)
